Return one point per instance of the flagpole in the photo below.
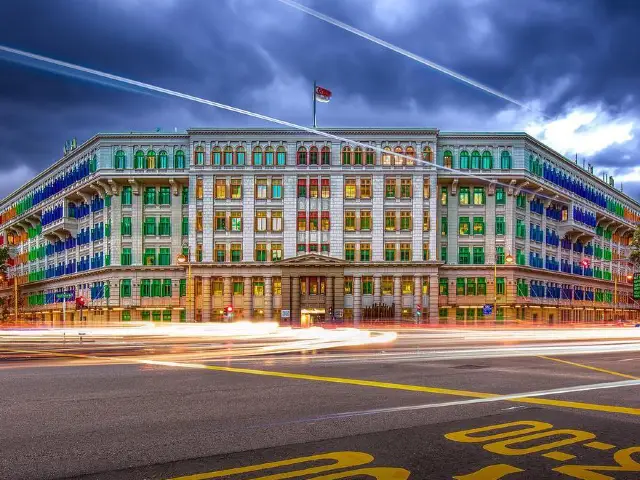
(314, 104)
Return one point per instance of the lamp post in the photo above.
(183, 259)
(629, 277)
(508, 260)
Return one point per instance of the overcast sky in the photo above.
(575, 60)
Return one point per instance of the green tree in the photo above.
(635, 248)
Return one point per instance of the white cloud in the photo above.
(15, 178)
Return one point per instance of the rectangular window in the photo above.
(145, 287)
(407, 285)
(219, 252)
(461, 287)
(500, 197)
(276, 252)
(425, 251)
(313, 188)
(478, 225)
(261, 252)
(444, 197)
(500, 258)
(199, 188)
(185, 226)
(478, 255)
(405, 252)
(482, 286)
(164, 196)
(520, 257)
(390, 188)
(325, 222)
(521, 230)
(365, 188)
(464, 196)
(185, 195)
(236, 221)
(125, 228)
(464, 257)
(149, 257)
(365, 252)
(156, 287)
(220, 221)
(313, 221)
(501, 227)
(261, 188)
(127, 195)
(221, 189)
(444, 226)
(217, 286)
(276, 188)
(183, 287)
(348, 285)
(405, 188)
(443, 253)
(164, 258)
(478, 196)
(149, 226)
(387, 286)
(443, 286)
(426, 188)
(390, 252)
(164, 227)
(261, 221)
(521, 201)
(125, 287)
(125, 256)
(276, 220)
(277, 285)
(326, 188)
(236, 252)
(471, 286)
(302, 188)
(465, 226)
(426, 223)
(390, 220)
(350, 251)
(150, 196)
(365, 219)
(350, 188)
(405, 220)
(236, 188)
(501, 286)
(367, 285)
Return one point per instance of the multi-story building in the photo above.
(417, 225)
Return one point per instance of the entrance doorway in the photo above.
(310, 316)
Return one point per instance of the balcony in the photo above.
(63, 226)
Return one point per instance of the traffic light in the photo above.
(418, 310)
(585, 263)
(80, 302)
(229, 309)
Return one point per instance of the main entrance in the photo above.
(311, 316)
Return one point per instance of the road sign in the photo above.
(285, 314)
(62, 296)
(487, 309)
(636, 286)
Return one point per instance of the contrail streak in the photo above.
(72, 70)
(406, 53)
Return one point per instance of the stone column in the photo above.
(397, 297)
(434, 292)
(226, 291)
(377, 297)
(268, 299)
(357, 300)
(417, 296)
(247, 306)
(206, 299)
(295, 301)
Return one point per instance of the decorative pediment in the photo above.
(312, 260)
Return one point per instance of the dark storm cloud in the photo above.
(226, 50)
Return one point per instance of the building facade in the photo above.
(412, 224)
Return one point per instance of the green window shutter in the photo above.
(183, 287)
(500, 226)
(461, 289)
(127, 195)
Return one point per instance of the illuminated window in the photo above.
(277, 285)
(350, 251)
(390, 220)
(464, 197)
(313, 221)
(478, 225)
(365, 188)
(425, 252)
(236, 188)
(397, 158)
(276, 220)
(465, 226)
(410, 152)
(365, 219)
(426, 223)
(478, 196)
(313, 188)
(221, 188)
(325, 222)
(447, 159)
(426, 188)
(407, 285)
(386, 285)
(444, 196)
(236, 221)
(365, 252)
(326, 188)
(261, 188)
(258, 287)
(427, 154)
(348, 285)
(350, 188)
(221, 221)
(199, 226)
(349, 220)
(261, 221)
(302, 221)
(199, 189)
(386, 156)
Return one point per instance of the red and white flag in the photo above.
(322, 94)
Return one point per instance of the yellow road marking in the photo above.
(599, 445)
(589, 367)
(367, 383)
(560, 456)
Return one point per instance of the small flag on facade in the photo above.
(322, 94)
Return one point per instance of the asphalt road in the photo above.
(162, 409)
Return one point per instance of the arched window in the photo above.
(487, 160)
(302, 156)
(151, 159)
(386, 156)
(313, 156)
(505, 160)
(447, 159)
(199, 155)
(281, 156)
(138, 161)
(178, 159)
(163, 159)
(427, 154)
(370, 157)
(268, 157)
(120, 160)
(325, 155)
(464, 160)
(357, 156)
(475, 159)
(228, 155)
(240, 154)
(398, 159)
(347, 157)
(257, 156)
(410, 152)
(216, 156)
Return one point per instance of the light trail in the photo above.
(70, 69)
(458, 76)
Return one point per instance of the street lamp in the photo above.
(507, 260)
(183, 259)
